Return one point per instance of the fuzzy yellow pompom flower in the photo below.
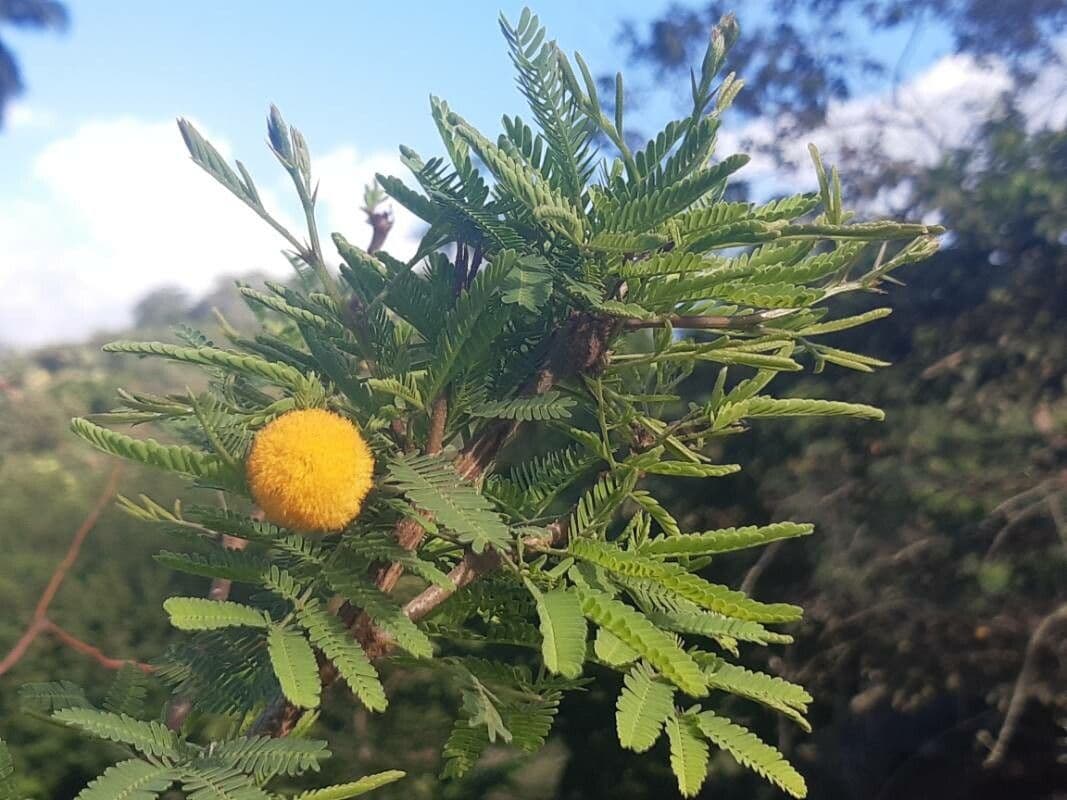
(310, 470)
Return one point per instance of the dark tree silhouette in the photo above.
(38, 14)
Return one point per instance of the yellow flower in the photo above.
(310, 470)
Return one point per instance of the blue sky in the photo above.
(97, 201)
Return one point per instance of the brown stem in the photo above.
(435, 441)
(16, 653)
(40, 622)
(471, 567)
(83, 647)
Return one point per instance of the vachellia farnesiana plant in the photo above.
(381, 423)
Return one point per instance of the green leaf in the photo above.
(274, 372)
(228, 564)
(643, 706)
(563, 630)
(623, 242)
(774, 407)
(463, 749)
(470, 329)
(301, 316)
(724, 540)
(752, 752)
(541, 407)
(127, 692)
(689, 753)
(718, 627)
(432, 484)
(845, 323)
(567, 132)
(209, 159)
(649, 210)
(174, 458)
(687, 469)
(610, 649)
(651, 506)
(636, 631)
(787, 207)
(130, 780)
(335, 641)
(481, 710)
(150, 738)
(211, 780)
(595, 509)
(46, 698)
(676, 580)
(295, 666)
(532, 485)
(768, 690)
(528, 283)
(8, 790)
(264, 757)
(882, 230)
(201, 614)
(346, 791)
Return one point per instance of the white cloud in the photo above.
(117, 208)
(940, 107)
(20, 116)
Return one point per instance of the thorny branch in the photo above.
(582, 348)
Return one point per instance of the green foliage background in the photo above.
(908, 606)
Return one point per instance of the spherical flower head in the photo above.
(310, 470)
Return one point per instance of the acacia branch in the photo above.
(582, 348)
(83, 647)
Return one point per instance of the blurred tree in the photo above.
(161, 307)
(42, 14)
